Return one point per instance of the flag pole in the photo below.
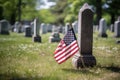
(79, 48)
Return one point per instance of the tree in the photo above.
(10, 8)
(96, 4)
(60, 10)
(46, 16)
(1, 12)
(29, 11)
(113, 8)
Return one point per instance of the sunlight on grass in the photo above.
(22, 59)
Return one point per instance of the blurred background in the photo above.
(57, 11)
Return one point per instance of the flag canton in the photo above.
(69, 37)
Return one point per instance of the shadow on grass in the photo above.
(93, 70)
(81, 71)
(18, 77)
(112, 68)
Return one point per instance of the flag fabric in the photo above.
(67, 47)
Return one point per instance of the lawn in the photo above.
(22, 59)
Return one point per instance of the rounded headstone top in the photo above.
(4, 20)
(118, 18)
(55, 34)
(42, 24)
(117, 22)
(67, 24)
(102, 19)
(85, 6)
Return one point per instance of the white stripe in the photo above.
(67, 56)
(59, 48)
(64, 49)
(66, 52)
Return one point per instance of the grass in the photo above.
(22, 59)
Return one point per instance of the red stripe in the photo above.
(65, 50)
(67, 57)
(60, 46)
(67, 53)
(59, 49)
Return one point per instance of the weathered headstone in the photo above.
(4, 27)
(112, 28)
(18, 27)
(102, 28)
(117, 29)
(54, 28)
(67, 27)
(55, 37)
(36, 36)
(28, 31)
(85, 39)
(63, 30)
(49, 28)
(75, 26)
(32, 27)
(60, 29)
(118, 18)
(43, 28)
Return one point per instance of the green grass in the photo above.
(22, 59)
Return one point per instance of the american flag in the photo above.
(67, 47)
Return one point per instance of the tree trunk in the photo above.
(19, 10)
(98, 11)
(1, 12)
(13, 18)
(112, 18)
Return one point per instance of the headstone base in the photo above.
(36, 39)
(83, 61)
(117, 36)
(26, 35)
(118, 42)
(103, 35)
(54, 40)
(5, 32)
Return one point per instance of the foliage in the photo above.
(10, 9)
(60, 10)
(46, 16)
(64, 10)
(113, 9)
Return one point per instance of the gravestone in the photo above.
(49, 28)
(118, 18)
(55, 37)
(32, 27)
(54, 28)
(43, 28)
(75, 26)
(102, 28)
(63, 32)
(18, 27)
(60, 29)
(117, 29)
(67, 27)
(85, 39)
(36, 36)
(4, 27)
(112, 28)
(28, 31)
